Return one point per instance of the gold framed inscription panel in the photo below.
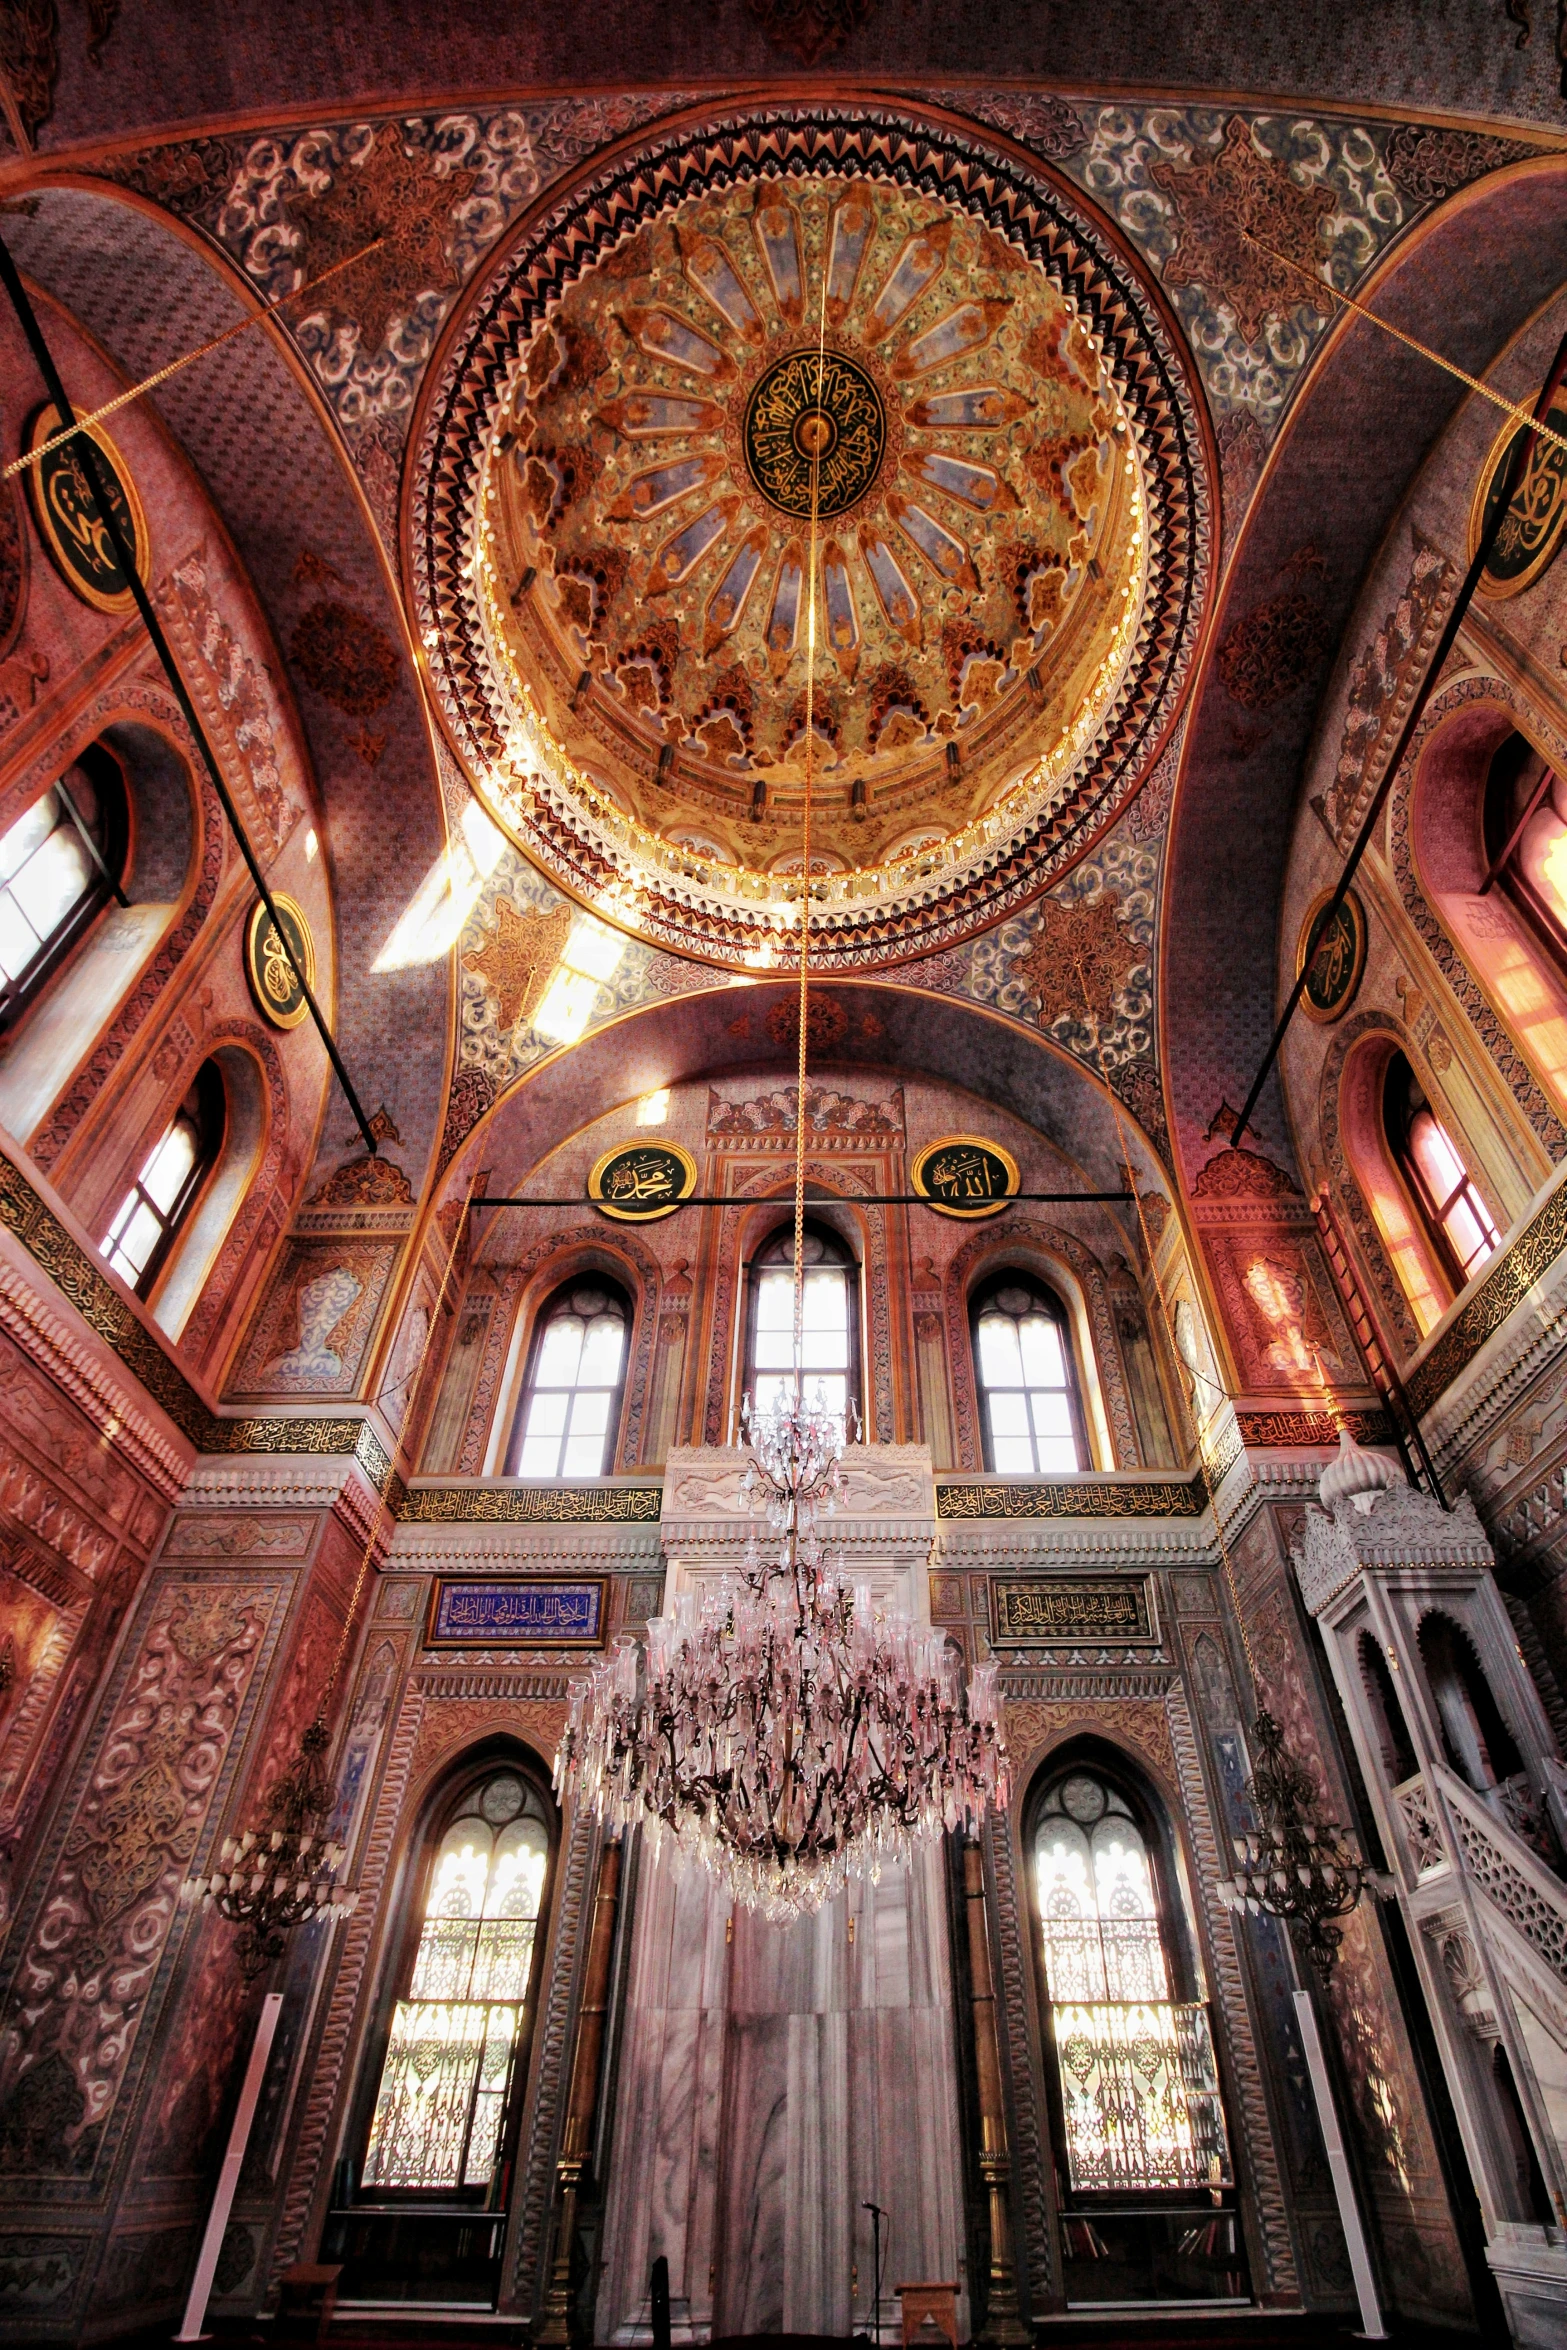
(1059, 1611)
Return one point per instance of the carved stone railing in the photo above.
(1513, 1879)
(1422, 1828)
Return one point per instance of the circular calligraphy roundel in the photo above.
(1339, 959)
(274, 980)
(639, 1182)
(815, 407)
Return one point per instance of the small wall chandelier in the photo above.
(283, 1874)
(1298, 1868)
(787, 1733)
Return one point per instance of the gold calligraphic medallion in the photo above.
(815, 407)
(964, 1175)
(273, 980)
(1531, 536)
(68, 519)
(1338, 962)
(640, 1181)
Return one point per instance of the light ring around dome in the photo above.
(608, 563)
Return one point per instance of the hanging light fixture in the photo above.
(1297, 1867)
(281, 1875)
(787, 1732)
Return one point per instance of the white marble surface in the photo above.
(769, 2086)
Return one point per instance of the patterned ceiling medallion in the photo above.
(610, 549)
(815, 407)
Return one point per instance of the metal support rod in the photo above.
(1350, 2219)
(886, 1199)
(88, 843)
(228, 2176)
(582, 2099)
(92, 466)
(1003, 2322)
(1455, 619)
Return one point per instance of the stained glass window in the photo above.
(1028, 1390)
(1139, 2088)
(453, 2041)
(571, 1404)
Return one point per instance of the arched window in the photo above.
(569, 1415)
(1475, 1739)
(1136, 2104)
(148, 1219)
(1524, 820)
(1387, 1714)
(440, 2129)
(59, 863)
(1031, 1415)
(830, 1335)
(1456, 1218)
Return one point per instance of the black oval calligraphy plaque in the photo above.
(1339, 959)
(68, 519)
(1531, 536)
(638, 1182)
(273, 979)
(965, 1175)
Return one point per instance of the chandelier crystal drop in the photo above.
(283, 1874)
(787, 1732)
(1298, 1868)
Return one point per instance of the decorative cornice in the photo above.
(73, 1366)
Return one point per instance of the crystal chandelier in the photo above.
(283, 1874)
(1298, 1868)
(787, 1733)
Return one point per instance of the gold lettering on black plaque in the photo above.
(820, 407)
(1036, 1613)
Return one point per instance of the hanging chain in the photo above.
(411, 1382)
(1210, 1481)
(805, 863)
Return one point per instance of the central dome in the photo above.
(624, 440)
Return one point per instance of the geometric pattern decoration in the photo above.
(654, 535)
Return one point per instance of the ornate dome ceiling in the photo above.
(611, 536)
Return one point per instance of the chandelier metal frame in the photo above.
(1297, 1867)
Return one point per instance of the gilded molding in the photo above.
(531, 1505)
(1506, 1286)
(1145, 1499)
